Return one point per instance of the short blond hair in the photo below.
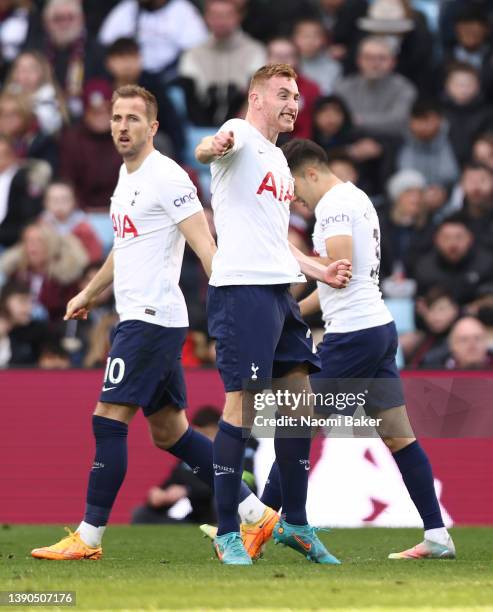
(272, 70)
(135, 91)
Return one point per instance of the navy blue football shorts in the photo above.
(144, 367)
(259, 334)
(358, 363)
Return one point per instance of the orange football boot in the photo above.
(69, 548)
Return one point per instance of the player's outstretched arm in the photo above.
(337, 274)
(196, 231)
(80, 305)
(214, 147)
(310, 305)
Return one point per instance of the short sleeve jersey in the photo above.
(345, 210)
(146, 208)
(252, 189)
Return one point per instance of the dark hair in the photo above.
(423, 107)
(457, 218)
(340, 155)
(438, 293)
(475, 165)
(301, 151)
(462, 67)
(472, 12)
(14, 288)
(310, 18)
(123, 46)
(333, 100)
(135, 91)
(206, 415)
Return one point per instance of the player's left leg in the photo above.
(170, 431)
(417, 474)
(386, 401)
(294, 361)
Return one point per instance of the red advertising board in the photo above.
(46, 449)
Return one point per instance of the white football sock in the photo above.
(91, 535)
(439, 535)
(251, 509)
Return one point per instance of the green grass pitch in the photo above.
(172, 567)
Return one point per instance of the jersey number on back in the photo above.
(375, 271)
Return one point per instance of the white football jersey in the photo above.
(345, 210)
(252, 189)
(148, 247)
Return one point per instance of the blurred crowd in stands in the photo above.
(398, 92)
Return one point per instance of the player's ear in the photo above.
(154, 127)
(255, 99)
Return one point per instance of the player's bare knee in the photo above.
(117, 412)
(397, 444)
(167, 427)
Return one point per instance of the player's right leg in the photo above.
(110, 427)
(132, 375)
(245, 322)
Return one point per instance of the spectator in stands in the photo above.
(408, 28)
(216, 74)
(19, 123)
(96, 12)
(14, 25)
(22, 337)
(482, 150)
(473, 196)
(340, 18)
(465, 109)
(316, 62)
(73, 54)
(31, 76)
(265, 20)
(428, 150)
(283, 51)
(163, 29)
(378, 98)
(456, 262)
(343, 167)
(20, 195)
(473, 44)
(182, 486)
(62, 213)
(404, 231)
(88, 157)
(50, 264)
(54, 357)
(468, 348)
(124, 64)
(334, 130)
(437, 312)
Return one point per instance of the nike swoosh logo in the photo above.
(221, 473)
(261, 152)
(306, 546)
(108, 388)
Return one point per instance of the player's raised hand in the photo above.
(338, 274)
(222, 143)
(78, 307)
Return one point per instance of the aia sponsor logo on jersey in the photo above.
(123, 226)
(280, 188)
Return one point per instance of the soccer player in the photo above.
(361, 339)
(256, 322)
(154, 209)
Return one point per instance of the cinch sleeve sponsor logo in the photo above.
(331, 219)
(189, 197)
(280, 190)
